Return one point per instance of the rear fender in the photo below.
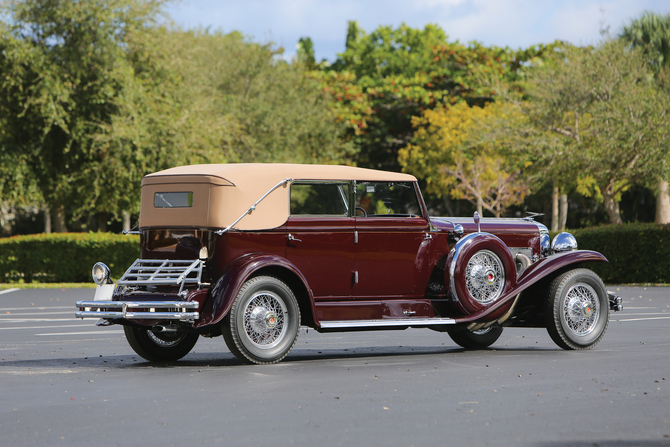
(536, 272)
(233, 278)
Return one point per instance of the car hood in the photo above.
(517, 228)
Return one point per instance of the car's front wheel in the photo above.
(577, 309)
(263, 322)
(480, 339)
(163, 347)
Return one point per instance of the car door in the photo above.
(391, 231)
(320, 237)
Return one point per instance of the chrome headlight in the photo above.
(101, 274)
(563, 242)
(545, 245)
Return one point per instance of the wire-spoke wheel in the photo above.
(163, 347)
(485, 276)
(263, 322)
(577, 310)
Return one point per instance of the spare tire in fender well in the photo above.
(491, 270)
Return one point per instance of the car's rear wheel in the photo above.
(263, 322)
(577, 309)
(480, 339)
(163, 347)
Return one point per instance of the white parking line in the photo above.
(34, 308)
(35, 320)
(42, 327)
(2, 292)
(117, 332)
(642, 319)
(9, 315)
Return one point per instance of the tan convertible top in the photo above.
(223, 192)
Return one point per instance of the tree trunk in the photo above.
(611, 206)
(58, 218)
(102, 222)
(126, 220)
(47, 220)
(663, 203)
(554, 209)
(480, 207)
(562, 211)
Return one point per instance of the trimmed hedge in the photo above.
(637, 252)
(64, 257)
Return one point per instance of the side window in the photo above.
(386, 199)
(320, 199)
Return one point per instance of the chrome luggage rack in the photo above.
(163, 272)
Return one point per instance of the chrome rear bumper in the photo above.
(138, 310)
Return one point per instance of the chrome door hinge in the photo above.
(355, 277)
(355, 237)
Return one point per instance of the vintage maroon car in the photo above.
(254, 251)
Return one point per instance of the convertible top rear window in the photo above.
(173, 200)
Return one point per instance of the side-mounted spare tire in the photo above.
(480, 270)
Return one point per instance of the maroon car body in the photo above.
(336, 249)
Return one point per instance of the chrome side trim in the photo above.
(386, 323)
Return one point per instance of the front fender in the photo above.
(233, 278)
(535, 273)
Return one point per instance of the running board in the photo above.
(387, 323)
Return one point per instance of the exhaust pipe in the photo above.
(164, 329)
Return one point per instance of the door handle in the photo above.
(291, 238)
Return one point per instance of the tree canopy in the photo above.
(603, 104)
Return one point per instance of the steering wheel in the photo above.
(365, 214)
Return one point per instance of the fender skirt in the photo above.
(234, 276)
(533, 274)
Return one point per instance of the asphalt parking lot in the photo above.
(67, 382)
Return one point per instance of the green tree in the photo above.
(69, 78)
(603, 106)
(651, 32)
(384, 79)
(305, 49)
(469, 153)
(260, 108)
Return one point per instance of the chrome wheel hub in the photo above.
(484, 277)
(265, 320)
(581, 310)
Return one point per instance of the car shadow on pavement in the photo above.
(225, 358)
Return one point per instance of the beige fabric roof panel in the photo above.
(222, 192)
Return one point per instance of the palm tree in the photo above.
(652, 32)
